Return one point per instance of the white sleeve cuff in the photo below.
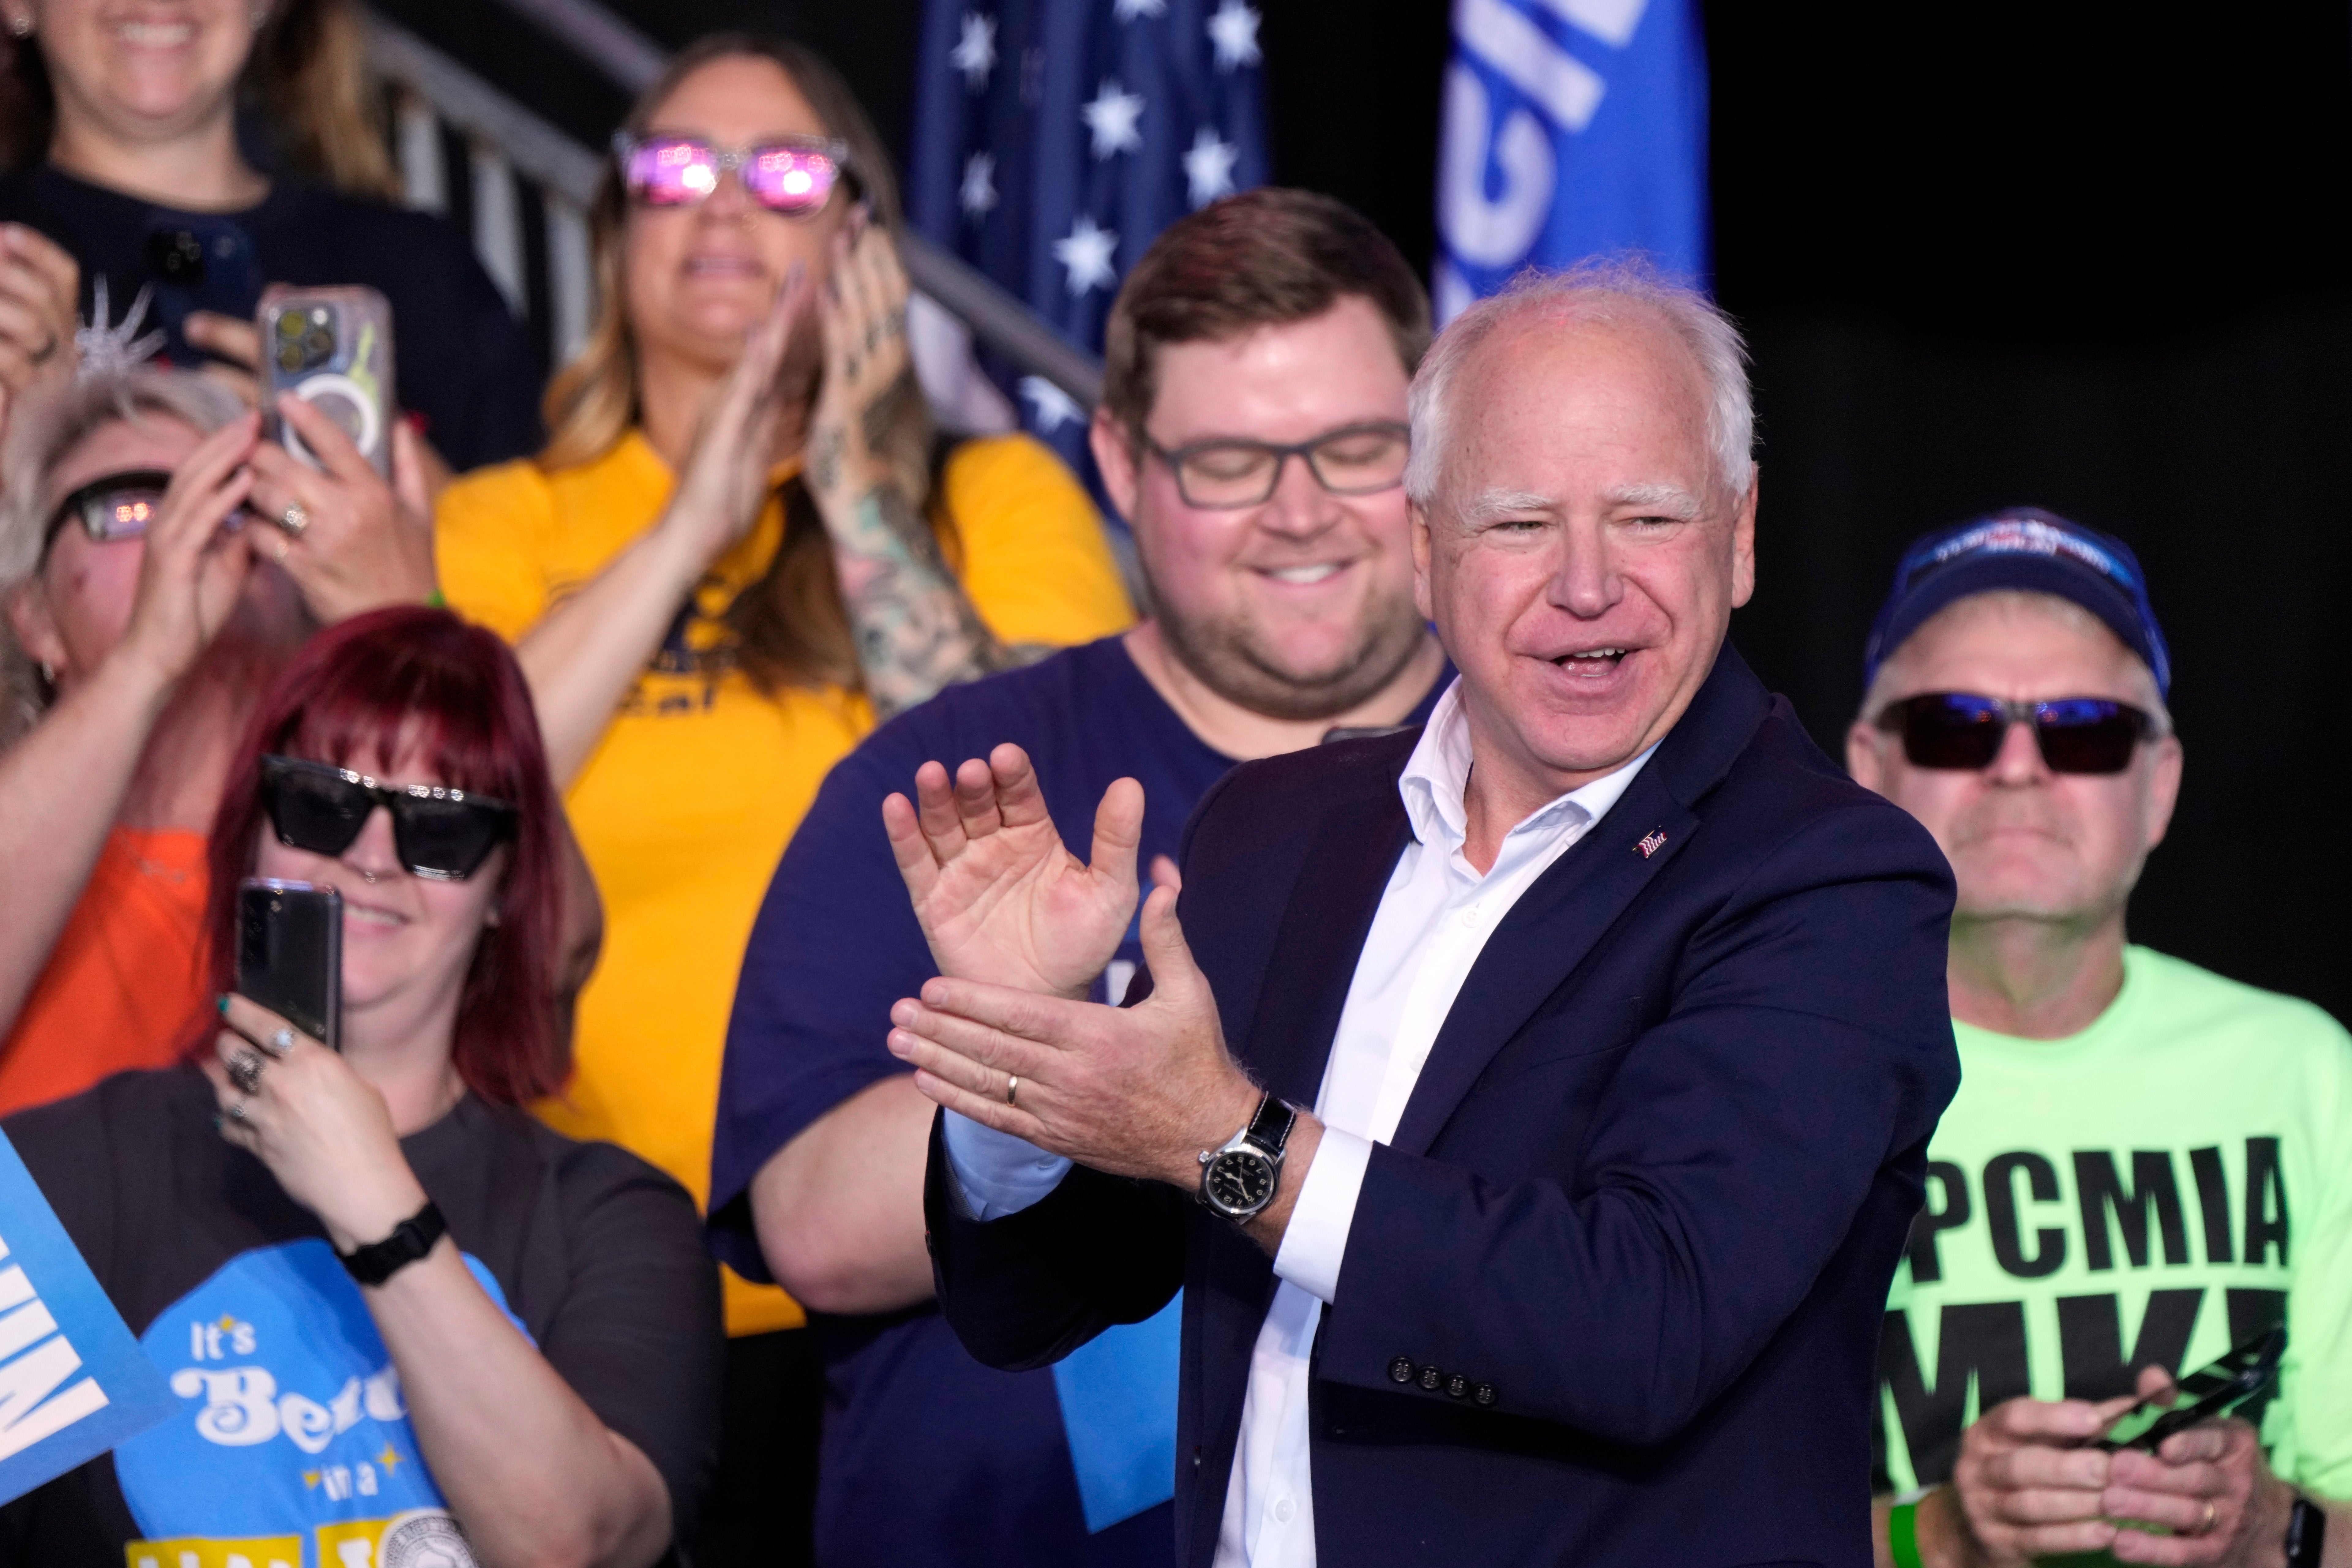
(997, 1174)
(1317, 1238)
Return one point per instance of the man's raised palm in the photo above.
(998, 896)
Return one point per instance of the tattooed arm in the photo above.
(915, 627)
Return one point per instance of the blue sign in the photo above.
(1573, 127)
(73, 1383)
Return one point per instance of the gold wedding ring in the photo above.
(2212, 1515)
(1012, 1090)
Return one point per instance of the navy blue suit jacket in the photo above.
(1649, 1190)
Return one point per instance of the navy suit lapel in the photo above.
(1555, 921)
(1322, 932)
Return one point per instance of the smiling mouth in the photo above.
(1306, 576)
(155, 34)
(367, 914)
(722, 267)
(1593, 662)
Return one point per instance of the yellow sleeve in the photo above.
(1032, 550)
(488, 534)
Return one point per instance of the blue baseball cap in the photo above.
(2026, 548)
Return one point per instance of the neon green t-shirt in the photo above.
(2170, 1181)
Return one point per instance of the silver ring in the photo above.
(282, 1041)
(236, 1112)
(244, 1072)
(294, 519)
(1013, 1090)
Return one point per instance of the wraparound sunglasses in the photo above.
(793, 175)
(1963, 730)
(442, 835)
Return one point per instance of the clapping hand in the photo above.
(40, 287)
(724, 482)
(866, 363)
(999, 897)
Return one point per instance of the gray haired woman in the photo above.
(142, 618)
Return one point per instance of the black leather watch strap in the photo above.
(1270, 1128)
(2306, 1534)
(412, 1238)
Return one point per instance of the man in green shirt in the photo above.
(2146, 1164)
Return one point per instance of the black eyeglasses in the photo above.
(1226, 473)
(1963, 730)
(443, 835)
(112, 507)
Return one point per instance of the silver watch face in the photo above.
(1239, 1181)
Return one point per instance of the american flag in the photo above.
(1053, 139)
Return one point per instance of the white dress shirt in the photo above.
(1434, 921)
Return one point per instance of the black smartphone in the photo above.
(2214, 1389)
(289, 954)
(197, 263)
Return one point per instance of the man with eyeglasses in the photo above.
(1252, 433)
(2145, 1164)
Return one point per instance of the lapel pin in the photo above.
(1651, 844)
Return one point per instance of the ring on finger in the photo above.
(2212, 1516)
(236, 1113)
(294, 519)
(1013, 1090)
(282, 1041)
(244, 1072)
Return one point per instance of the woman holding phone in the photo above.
(740, 545)
(397, 1309)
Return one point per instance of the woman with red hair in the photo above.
(397, 1309)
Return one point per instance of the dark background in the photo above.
(2085, 256)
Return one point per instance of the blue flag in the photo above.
(1573, 128)
(1054, 138)
(73, 1383)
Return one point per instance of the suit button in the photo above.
(1400, 1370)
(1457, 1386)
(1432, 1379)
(1484, 1393)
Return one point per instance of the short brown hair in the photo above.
(1265, 257)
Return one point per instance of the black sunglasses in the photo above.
(443, 835)
(1963, 730)
(110, 507)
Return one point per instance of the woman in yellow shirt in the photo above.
(738, 550)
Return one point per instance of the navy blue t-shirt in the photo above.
(929, 1457)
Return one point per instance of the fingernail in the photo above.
(221, 1002)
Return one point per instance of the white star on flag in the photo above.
(1209, 167)
(1233, 31)
(978, 192)
(1085, 251)
(1129, 10)
(1049, 406)
(1112, 118)
(975, 50)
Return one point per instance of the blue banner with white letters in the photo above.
(73, 1383)
(1054, 138)
(1573, 128)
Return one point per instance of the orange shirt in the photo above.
(125, 978)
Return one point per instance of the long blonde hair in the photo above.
(792, 628)
(307, 74)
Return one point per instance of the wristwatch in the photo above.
(1239, 1180)
(2306, 1534)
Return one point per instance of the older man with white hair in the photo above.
(1531, 1106)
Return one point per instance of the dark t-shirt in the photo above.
(929, 1456)
(459, 358)
(293, 1435)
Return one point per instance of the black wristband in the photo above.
(2306, 1534)
(410, 1240)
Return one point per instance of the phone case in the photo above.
(332, 348)
(289, 954)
